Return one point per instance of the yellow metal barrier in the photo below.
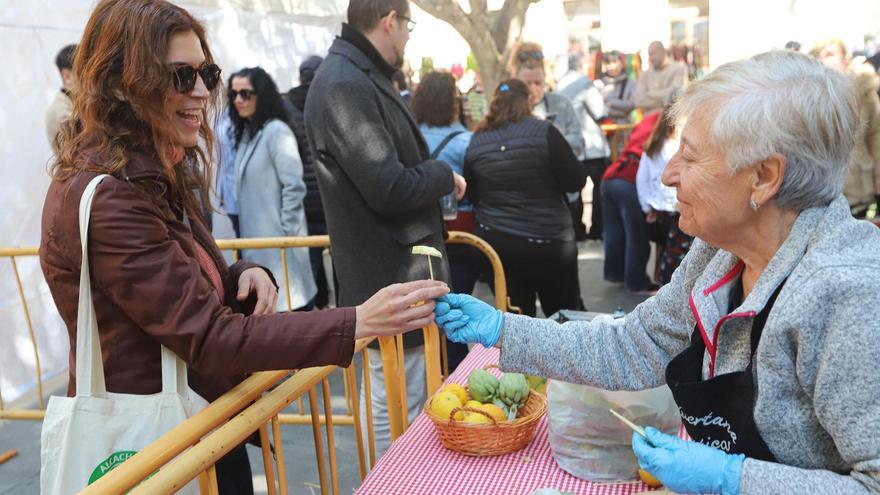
(204, 452)
(12, 254)
(619, 133)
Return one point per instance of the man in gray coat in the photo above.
(381, 192)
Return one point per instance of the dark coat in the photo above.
(380, 191)
(296, 99)
(149, 289)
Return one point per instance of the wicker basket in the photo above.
(489, 439)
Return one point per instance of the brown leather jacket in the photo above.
(149, 289)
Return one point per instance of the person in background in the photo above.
(380, 188)
(617, 89)
(862, 186)
(654, 86)
(519, 169)
(158, 277)
(658, 200)
(314, 207)
(767, 333)
(436, 106)
(62, 105)
(589, 106)
(227, 184)
(527, 65)
(270, 187)
(402, 87)
(626, 235)
(476, 103)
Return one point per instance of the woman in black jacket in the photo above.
(518, 169)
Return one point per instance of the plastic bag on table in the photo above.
(588, 442)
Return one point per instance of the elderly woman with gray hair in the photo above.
(767, 334)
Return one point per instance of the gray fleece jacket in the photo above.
(818, 386)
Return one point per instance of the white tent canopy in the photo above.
(275, 34)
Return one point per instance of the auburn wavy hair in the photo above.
(510, 104)
(121, 102)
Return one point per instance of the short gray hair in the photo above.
(787, 103)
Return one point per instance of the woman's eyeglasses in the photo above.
(244, 93)
(185, 77)
(523, 56)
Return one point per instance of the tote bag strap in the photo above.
(89, 364)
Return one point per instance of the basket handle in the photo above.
(470, 409)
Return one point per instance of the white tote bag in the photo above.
(85, 436)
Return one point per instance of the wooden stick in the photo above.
(9, 454)
(636, 428)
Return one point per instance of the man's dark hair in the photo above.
(269, 104)
(435, 101)
(64, 59)
(364, 15)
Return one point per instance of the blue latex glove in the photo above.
(687, 467)
(466, 319)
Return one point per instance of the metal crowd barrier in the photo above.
(618, 133)
(191, 449)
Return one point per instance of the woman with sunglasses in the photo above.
(147, 81)
(269, 182)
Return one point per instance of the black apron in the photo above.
(719, 412)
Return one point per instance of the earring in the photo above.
(753, 204)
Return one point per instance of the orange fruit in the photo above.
(648, 479)
(477, 418)
(495, 411)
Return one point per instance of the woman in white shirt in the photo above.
(658, 200)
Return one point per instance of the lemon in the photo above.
(648, 479)
(458, 390)
(495, 411)
(459, 416)
(476, 418)
(443, 404)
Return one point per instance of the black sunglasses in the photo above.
(185, 77)
(523, 56)
(410, 24)
(244, 93)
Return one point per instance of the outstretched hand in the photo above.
(398, 308)
(466, 319)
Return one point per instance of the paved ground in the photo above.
(20, 475)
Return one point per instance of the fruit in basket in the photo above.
(496, 412)
(483, 385)
(513, 389)
(648, 479)
(537, 383)
(514, 392)
(477, 419)
(458, 390)
(473, 403)
(443, 404)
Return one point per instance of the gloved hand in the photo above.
(466, 319)
(687, 467)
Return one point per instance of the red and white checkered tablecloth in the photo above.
(417, 464)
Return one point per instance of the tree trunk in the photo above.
(490, 35)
